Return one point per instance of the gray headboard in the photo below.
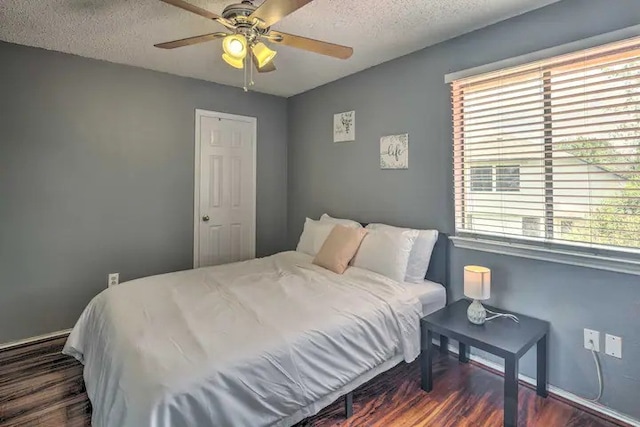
(439, 266)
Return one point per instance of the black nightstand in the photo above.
(502, 337)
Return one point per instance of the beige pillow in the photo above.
(339, 248)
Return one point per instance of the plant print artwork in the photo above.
(344, 126)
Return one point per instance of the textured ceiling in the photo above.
(124, 31)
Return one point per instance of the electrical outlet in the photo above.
(113, 279)
(591, 336)
(613, 346)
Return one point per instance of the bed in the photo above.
(266, 342)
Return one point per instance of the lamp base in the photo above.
(476, 313)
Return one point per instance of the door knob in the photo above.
(205, 218)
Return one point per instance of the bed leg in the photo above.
(348, 404)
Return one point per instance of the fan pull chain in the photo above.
(251, 82)
(246, 89)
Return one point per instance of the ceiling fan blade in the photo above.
(190, 40)
(199, 11)
(267, 68)
(317, 46)
(271, 11)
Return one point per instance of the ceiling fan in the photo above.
(248, 27)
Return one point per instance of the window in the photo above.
(469, 223)
(566, 226)
(531, 226)
(562, 137)
(508, 178)
(481, 178)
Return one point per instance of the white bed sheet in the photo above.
(263, 342)
(432, 295)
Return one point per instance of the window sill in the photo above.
(620, 265)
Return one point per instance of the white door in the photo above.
(225, 208)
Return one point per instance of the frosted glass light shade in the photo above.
(235, 46)
(477, 282)
(263, 54)
(234, 62)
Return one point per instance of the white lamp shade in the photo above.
(477, 282)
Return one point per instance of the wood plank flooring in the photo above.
(41, 387)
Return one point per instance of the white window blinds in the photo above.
(550, 151)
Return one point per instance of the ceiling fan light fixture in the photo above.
(235, 46)
(246, 26)
(263, 54)
(234, 62)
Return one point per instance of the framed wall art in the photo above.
(394, 152)
(344, 126)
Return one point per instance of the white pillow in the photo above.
(420, 253)
(344, 222)
(313, 236)
(386, 252)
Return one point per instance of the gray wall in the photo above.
(408, 95)
(96, 176)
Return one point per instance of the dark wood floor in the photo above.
(41, 387)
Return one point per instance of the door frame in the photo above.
(196, 187)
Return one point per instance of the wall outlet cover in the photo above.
(113, 279)
(591, 335)
(613, 346)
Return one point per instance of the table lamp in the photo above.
(477, 286)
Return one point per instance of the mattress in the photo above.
(265, 342)
(432, 295)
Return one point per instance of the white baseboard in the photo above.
(30, 340)
(605, 410)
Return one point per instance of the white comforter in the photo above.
(255, 343)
